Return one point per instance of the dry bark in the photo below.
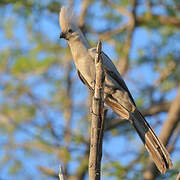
(97, 120)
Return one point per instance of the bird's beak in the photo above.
(62, 35)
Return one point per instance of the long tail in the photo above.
(154, 146)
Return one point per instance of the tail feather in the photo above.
(152, 143)
(154, 146)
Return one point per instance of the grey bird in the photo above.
(116, 93)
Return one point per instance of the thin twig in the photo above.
(61, 174)
(97, 123)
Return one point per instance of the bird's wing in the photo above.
(111, 70)
(84, 80)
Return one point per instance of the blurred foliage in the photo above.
(43, 105)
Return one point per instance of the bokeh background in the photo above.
(44, 108)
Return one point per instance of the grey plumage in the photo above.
(116, 93)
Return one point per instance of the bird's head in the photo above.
(68, 23)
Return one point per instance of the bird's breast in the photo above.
(84, 62)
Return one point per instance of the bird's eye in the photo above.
(70, 31)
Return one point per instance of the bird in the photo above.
(116, 94)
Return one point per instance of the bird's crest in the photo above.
(67, 18)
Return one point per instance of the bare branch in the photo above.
(166, 72)
(97, 123)
(111, 123)
(124, 63)
(172, 120)
(175, 137)
(164, 20)
(156, 108)
(61, 174)
(108, 34)
(122, 10)
(123, 67)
